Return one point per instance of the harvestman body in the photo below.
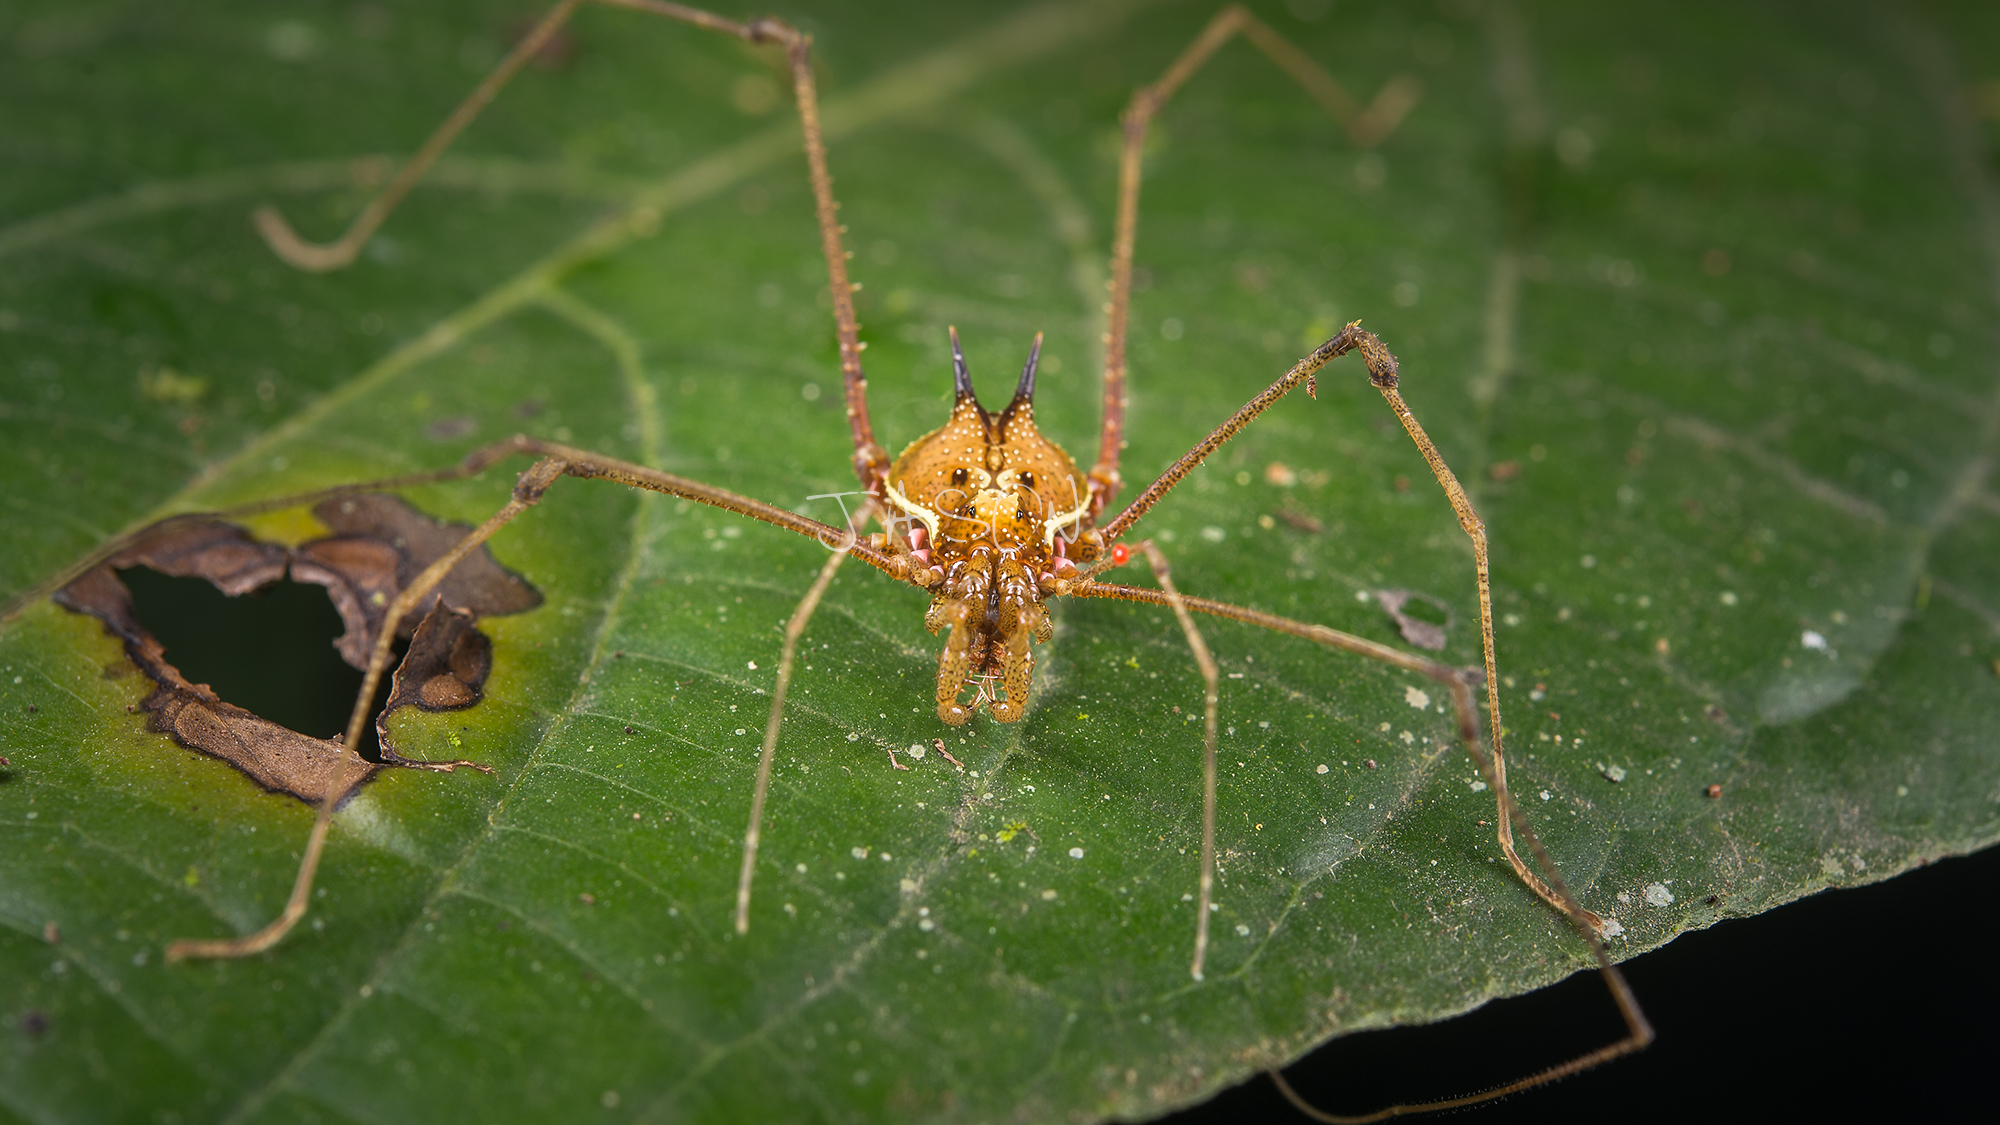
(985, 514)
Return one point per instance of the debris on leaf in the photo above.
(1417, 631)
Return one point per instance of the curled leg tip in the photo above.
(312, 257)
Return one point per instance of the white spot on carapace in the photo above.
(1657, 894)
(1416, 697)
(1321, 769)
(1076, 853)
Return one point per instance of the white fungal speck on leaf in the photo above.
(1416, 697)
(1657, 894)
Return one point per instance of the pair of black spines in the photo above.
(1024, 392)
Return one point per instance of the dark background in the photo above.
(1879, 1002)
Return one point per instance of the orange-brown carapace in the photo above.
(997, 514)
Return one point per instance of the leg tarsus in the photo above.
(794, 629)
(1211, 694)
(871, 462)
(533, 483)
(295, 905)
(1459, 682)
(1367, 128)
(321, 257)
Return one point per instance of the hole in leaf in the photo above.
(270, 651)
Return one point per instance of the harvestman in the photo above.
(986, 515)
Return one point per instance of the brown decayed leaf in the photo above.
(379, 543)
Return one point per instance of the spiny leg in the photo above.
(1458, 682)
(1211, 694)
(1367, 128)
(1382, 372)
(794, 629)
(556, 460)
(1384, 376)
(871, 462)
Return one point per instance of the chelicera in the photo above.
(988, 516)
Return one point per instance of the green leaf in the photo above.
(1701, 302)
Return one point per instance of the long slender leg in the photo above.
(1210, 700)
(556, 461)
(317, 257)
(1366, 127)
(794, 629)
(533, 483)
(1304, 372)
(1475, 529)
(871, 462)
(1383, 373)
(1459, 683)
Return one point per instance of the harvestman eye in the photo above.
(1002, 655)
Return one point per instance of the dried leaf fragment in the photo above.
(193, 715)
(380, 543)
